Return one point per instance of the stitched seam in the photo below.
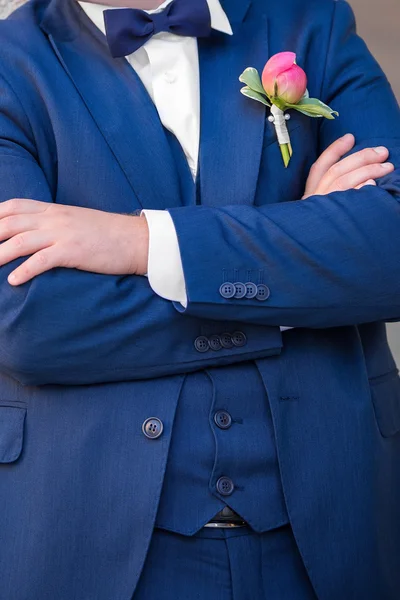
(239, 304)
(384, 377)
(230, 567)
(21, 105)
(243, 357)
(153, 516)
(328, 49)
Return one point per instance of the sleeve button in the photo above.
(227, 290)
(239, 339)
(251, 290)
(263, 292)
(240, 290)
(202, 344)
(226, 341)
(215, 343)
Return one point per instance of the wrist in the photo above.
(135, 244)
(141, 245)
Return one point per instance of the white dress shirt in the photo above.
(168, 66)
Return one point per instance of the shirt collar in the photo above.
(219, 19)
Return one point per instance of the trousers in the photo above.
(224, 564)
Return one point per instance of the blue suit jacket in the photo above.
(86, 358)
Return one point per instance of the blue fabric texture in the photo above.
(91, 357)
(12, 418)
(201, 452)
(225, 564)
(127, 29)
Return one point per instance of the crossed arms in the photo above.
(332, 259)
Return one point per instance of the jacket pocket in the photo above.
(12, 420)
(385, 393)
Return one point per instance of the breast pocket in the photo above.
(385, 393)
(275, 183)
(12, 422)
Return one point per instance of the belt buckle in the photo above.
(226, 518)
(225, 525)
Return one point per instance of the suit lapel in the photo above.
(232, 126)
(117, 101)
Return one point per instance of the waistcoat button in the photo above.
(152, 428)
(225, 486)
(223, 419)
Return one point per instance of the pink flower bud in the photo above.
(283, 76)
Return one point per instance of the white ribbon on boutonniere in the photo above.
(283, 86)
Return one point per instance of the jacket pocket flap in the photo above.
(12, 419)
(386, 399)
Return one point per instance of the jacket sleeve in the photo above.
(73, 327)
(329, 260)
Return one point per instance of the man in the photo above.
(229, 425)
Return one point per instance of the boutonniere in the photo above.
(283, 86)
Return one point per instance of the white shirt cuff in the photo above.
(164, 269)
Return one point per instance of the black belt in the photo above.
(226, 518)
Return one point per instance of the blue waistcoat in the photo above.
(86, 359)
(221, 430)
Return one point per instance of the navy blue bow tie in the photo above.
(127, 29)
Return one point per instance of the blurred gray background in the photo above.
(378, 23)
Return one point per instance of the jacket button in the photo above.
(223, 419)
(240, 290)
(202, 344)
(263, 292)
(251, 290)
(226, 341)
(227, 290)
(225, 486)
(152, 428)
(215, 343)
(239, 339)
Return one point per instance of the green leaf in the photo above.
(313, 107)
(280, 103)
(252, 80)
(246, 91)
(307, 113)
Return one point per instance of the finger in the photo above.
(24, 244)
(40, 262)
(16, 224)
(368, 156)
(359, 176)
(17, 206)
(369, 182)
(328, 158)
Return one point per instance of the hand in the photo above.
(330, 174)
(67, 236)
